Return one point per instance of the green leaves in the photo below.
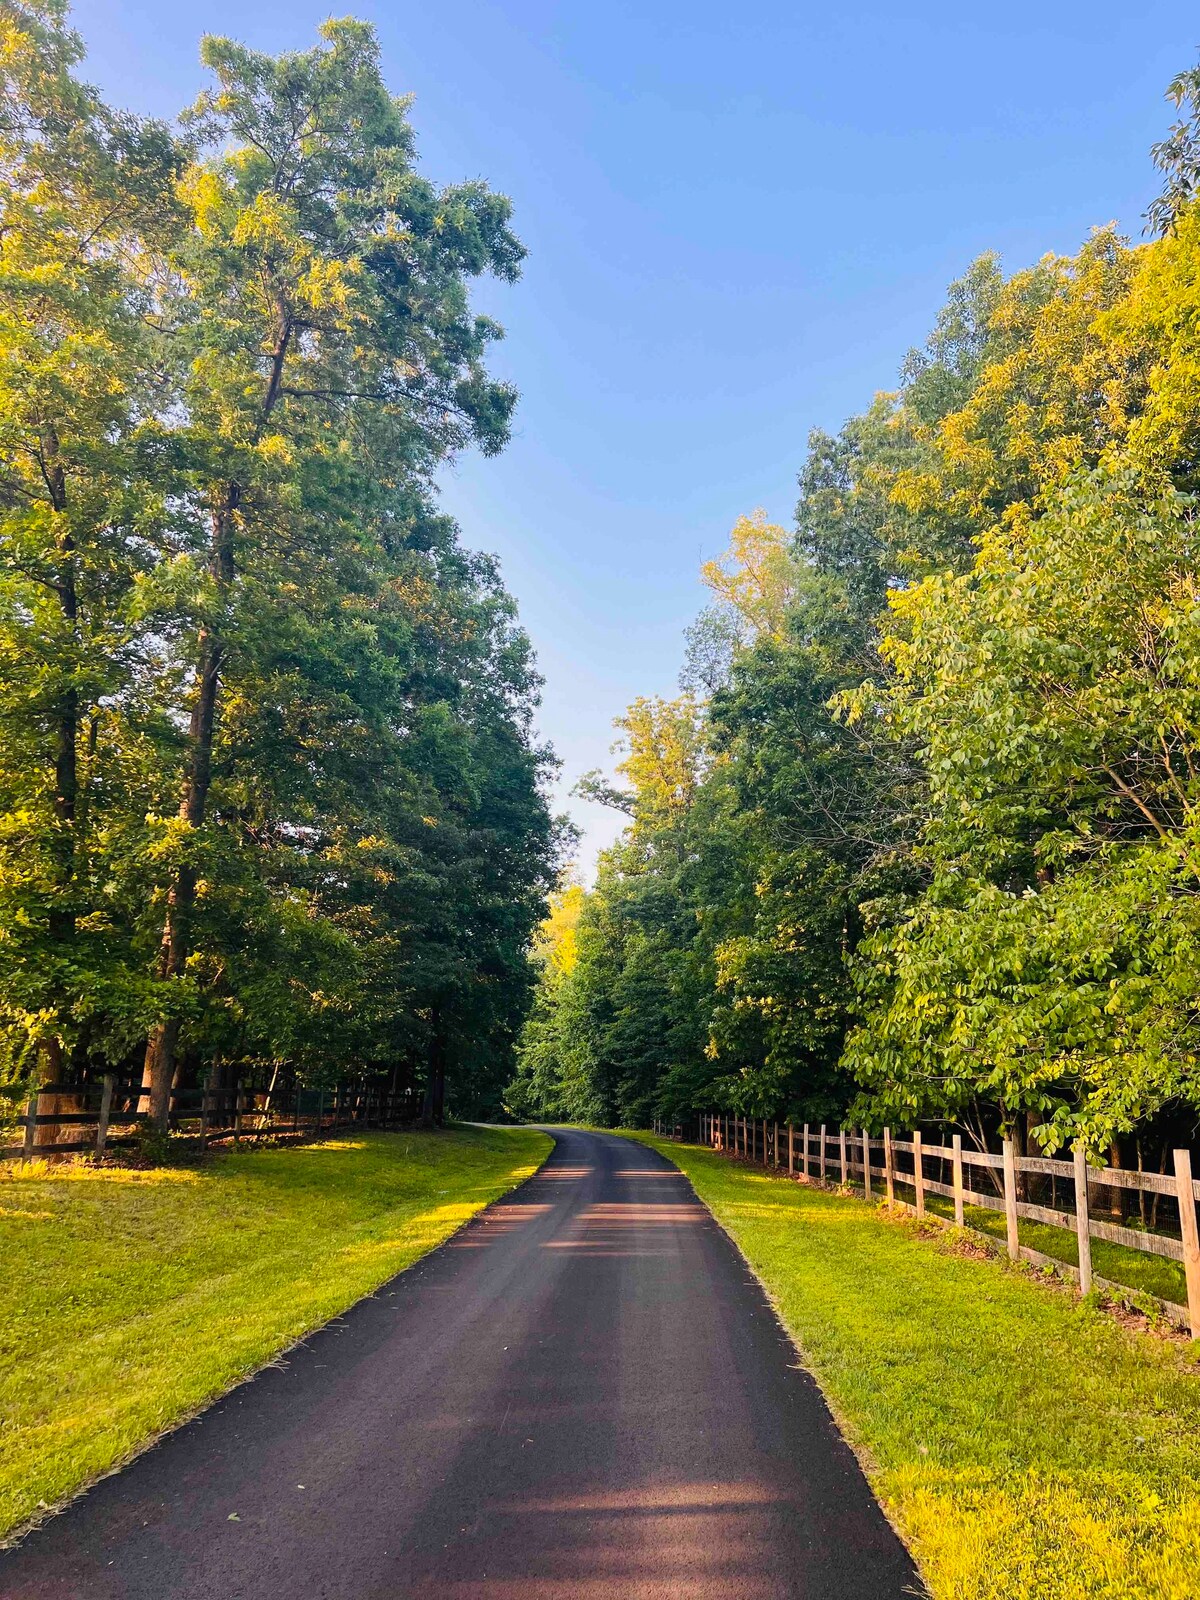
(1053, 694)
(268, 791)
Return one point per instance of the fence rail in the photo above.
(817, 1154)
(235, 1113)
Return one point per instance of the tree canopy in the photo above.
(269, 791)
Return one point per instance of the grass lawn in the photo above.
(129, 1299)
(1026, 1445)
(1142, 1273)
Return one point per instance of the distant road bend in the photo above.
(584, 1395)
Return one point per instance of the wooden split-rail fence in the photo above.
(995, 1181)
(92, 1118)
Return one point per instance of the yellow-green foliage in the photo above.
(129, 1299)
(1026, 1446)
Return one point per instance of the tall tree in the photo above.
(335, 363)
(86, 207)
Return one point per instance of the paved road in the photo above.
(582, 1396)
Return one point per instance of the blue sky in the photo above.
(739, 218)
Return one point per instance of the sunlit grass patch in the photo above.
(18, 1172)
(1027, 1446)
(130, 1298)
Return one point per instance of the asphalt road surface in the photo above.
(584, 1395)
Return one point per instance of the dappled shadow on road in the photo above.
(500, 1220)
(657, 1539)
(642, 1172)
(627, 1228)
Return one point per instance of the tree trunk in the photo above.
(433, 1106)
(50, 1070)
(1026, 1146)
(158, 1071)
(66, 745)
(1116, 1203)
(181, 896)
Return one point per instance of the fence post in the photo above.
(918, 1172)
(958, 1181)
(823, 1152)
(1083, 1230)
(889, 1167)
(106, 1095)
(1189, 1234)
(766, 1150)
(806, 1157)
(866, 1144)
(1010, 1199)
(791, 1149)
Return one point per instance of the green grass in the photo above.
(1026, 1445)
(130, 1299)
(1141, 1272)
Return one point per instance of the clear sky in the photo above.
(739, 218)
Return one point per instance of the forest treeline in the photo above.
(920, 840)
(268, 788)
